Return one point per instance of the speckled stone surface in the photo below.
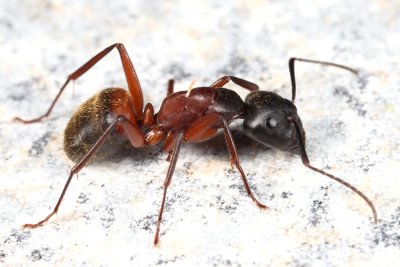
(109, 214)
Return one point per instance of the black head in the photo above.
(269, 121)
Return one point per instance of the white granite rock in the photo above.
(108, 216)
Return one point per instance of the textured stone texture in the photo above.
(109, 214)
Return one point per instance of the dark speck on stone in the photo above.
(107, 221)
(286, 194)
(388, 232)
(362, 79)
(146, 223)
(164, 262)
(18, 237)
(2, 256)
(42, 254)
(318, 210)
(38, 145)
(353, 102)
(35, 255)
(82, 198)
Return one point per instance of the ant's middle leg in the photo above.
(167, 182)
(128, 128)
(243, 83)
(130, 75)
(292, 76)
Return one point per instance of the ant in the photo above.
(110, 119)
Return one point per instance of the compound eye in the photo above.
(271, 123)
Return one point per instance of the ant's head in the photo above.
(269, 120)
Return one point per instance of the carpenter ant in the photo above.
(107, 121)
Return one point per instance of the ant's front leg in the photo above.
(205, 128)
(130, 75)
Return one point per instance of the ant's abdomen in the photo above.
(90, 121)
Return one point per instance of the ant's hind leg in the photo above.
(130, 75)
(131, 132)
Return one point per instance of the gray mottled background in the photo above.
(109, 214)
